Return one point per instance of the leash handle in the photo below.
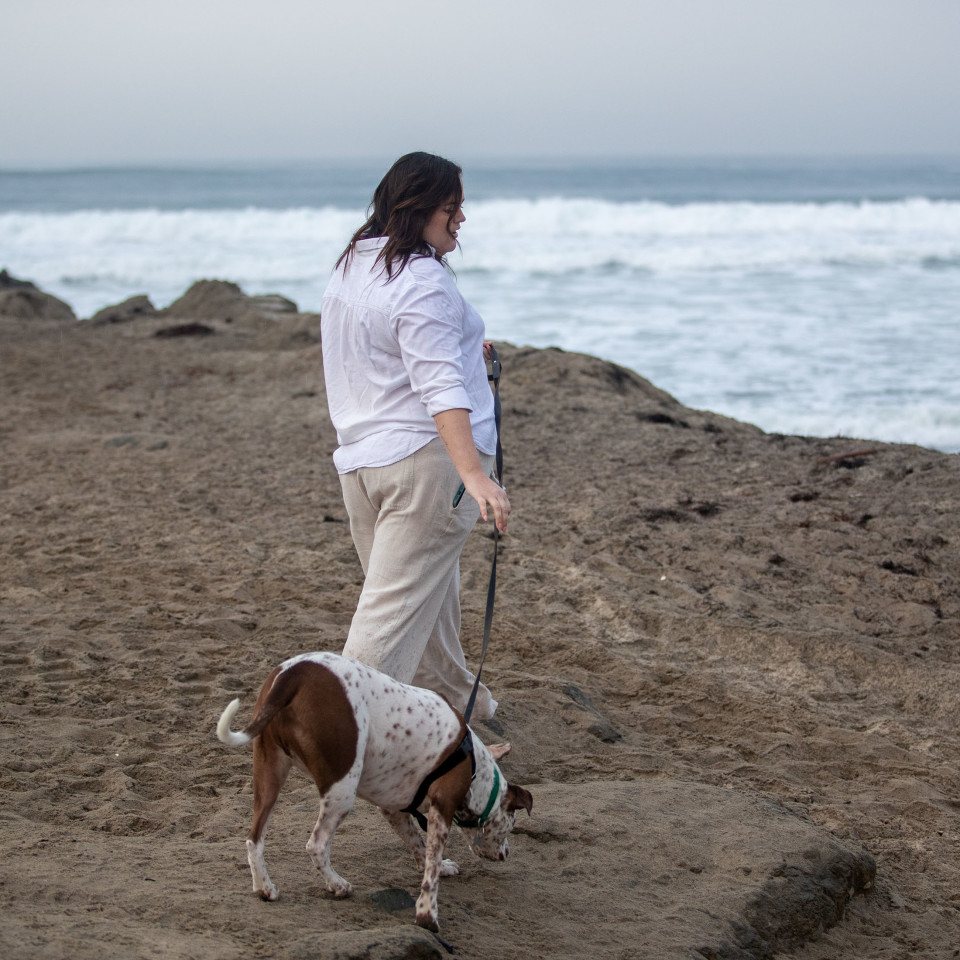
(494, 377)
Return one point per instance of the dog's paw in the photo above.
(428, 921)
(269, 892)
(339, 887)
(449, 868)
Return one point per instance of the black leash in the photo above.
(494, 376)
(465, 747)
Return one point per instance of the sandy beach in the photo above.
(728, 662)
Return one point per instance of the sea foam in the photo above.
(158, 250)
(759, 310)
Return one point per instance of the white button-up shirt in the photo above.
(397, 353)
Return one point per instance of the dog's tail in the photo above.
(228, 736)
(283, 687)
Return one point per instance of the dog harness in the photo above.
(464, 750)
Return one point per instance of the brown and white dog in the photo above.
(357, 732)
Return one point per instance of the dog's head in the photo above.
(490, 840)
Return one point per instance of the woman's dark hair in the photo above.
(414, 188)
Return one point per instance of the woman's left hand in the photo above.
(489, 494)
(453, 427)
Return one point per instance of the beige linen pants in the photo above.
(409, 538)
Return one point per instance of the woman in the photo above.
(403, 359)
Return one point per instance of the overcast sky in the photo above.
(93, 81)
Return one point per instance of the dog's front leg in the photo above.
(438, 829)
(406, 828)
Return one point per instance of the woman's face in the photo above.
(442, 227)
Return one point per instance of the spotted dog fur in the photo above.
(357, 732)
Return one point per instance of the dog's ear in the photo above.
(498, 750)
(517, 797)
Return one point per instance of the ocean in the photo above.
(809, 296)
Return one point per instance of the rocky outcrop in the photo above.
(8, 282)
(131, 309)
(225, 301)
(23, 300)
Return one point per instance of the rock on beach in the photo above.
(130, 309)
(225, 301)
(23, 300)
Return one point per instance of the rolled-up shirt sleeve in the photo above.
(429, 329)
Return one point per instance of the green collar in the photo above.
(494, 793)
(475, 822)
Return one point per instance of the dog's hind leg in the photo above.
(406, 829)
(270, 769)
(334, 806)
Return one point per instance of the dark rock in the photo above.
(392, 899)
(656, 514)
(605, 732)
(12, 283)
(185, 330)
(705, 509)
(602, 729)
(493, 725)
(23, 300)
(807, 896)
(130, 309)
(663, 418)
(388, 943)
(580, 698)
(898, 568)
(619, 376)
